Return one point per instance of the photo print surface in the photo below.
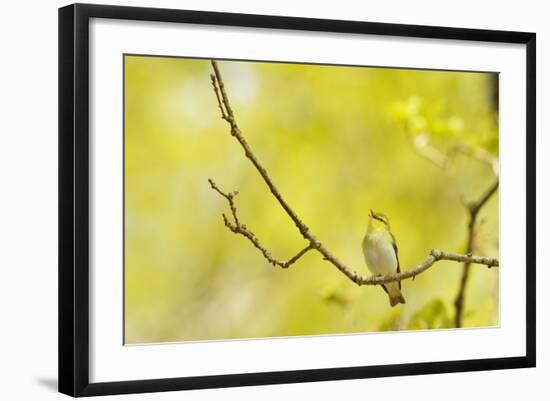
(267, 199)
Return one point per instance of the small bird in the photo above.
(380, 251)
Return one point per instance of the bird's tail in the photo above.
(394, 292)
(397, 299)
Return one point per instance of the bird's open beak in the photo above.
(371, 214)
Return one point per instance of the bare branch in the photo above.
(421, 144)
(423, 148)
(217, 80)
(479, 154)
(314, 244)
(457, 257)
(435, 256)
(238, 228)
(444, 160)
(217, 92)
(229, 196)
(235, 131)
(473, 209)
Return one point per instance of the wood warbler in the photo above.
(380, 251)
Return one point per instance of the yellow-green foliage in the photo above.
(334, 140)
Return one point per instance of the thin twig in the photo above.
(313, 243)
(444, 160)
(243, 230)
(421, 144)
(479, 154)
(217, 92)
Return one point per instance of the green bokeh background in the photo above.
(336, 142)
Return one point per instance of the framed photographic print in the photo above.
(249, 199)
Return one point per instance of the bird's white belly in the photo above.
(380, 257)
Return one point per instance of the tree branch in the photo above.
(444, 160)
(473, 209)
(422, 146)
(479, 154)
(435, 255)
(243, 230)
(313, 243)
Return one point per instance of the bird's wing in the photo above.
(394, 245)
(385, 289)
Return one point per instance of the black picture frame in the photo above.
(74, 193)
